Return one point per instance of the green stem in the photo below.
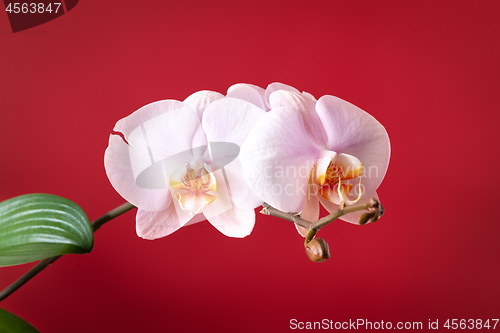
(99, 222)
(96, 224)
(310, 235)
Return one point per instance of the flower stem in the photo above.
(96, 224)
(372, 205)
(100, 221)
(292, 217)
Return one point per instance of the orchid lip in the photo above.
(331, 170)
(194, 186)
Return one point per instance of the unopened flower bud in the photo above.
(366, 217)
(375, 217)
(374, 203)
(317, 250)
(380, 210)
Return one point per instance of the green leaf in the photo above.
(39, 226)
(10, 323)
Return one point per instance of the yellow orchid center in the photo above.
(198, 180)
(194, 187)
(331, 172)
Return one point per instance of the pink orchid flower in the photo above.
(178, 162)
(306, 151)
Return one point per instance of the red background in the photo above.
(427, 70)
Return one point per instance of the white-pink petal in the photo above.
(277, 159)
(225, 216)
(353, 131)
(145, 113)
(234, 222)
(201, 99)
(171, 132)
(241, 195)
(230, 120)
(306, 106)
(198, 101)
(153, 225)
(250, 93)
(310, 212)
(275, 87)
(118, 167)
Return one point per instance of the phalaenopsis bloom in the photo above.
(306, 151)
(178, 161)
